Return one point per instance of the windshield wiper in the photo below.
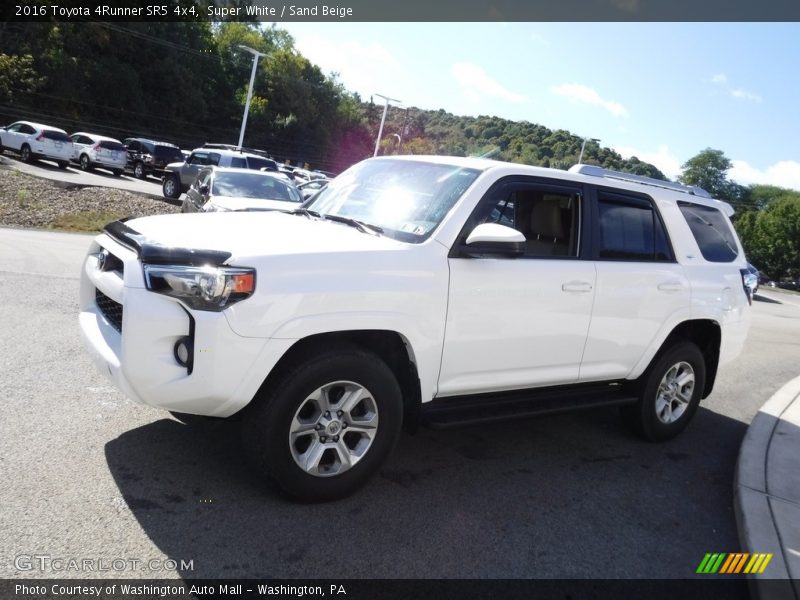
(360, 225)
(306, 213)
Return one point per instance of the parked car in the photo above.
(421, 289)
(178, 176)
(311, 187)
(221, 189)
(149, 157)
(98, 151)
(33, 141)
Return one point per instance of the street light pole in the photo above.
(383, 119)
(256, 55)
(583, 145)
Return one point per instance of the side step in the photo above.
(456, 411)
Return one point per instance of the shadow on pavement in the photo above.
(759, 298)
(563, 496)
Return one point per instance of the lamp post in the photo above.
(583, 145)
(256, 55)
(383, 119)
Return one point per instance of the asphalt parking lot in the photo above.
(89, 474)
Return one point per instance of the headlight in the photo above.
(201, 288)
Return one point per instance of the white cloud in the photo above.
(784, 173)
(663, 159)
(583, 94)
(476, 84)
(721, 79)
(745, 95)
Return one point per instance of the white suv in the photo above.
(98, 151)
(436, 289)
(34, 140)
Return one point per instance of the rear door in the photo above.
(520, 322)
(640, 286)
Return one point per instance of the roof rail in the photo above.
(264, 153)
(594, 171)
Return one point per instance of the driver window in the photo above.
(548, 219)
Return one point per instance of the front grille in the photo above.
(111, 309)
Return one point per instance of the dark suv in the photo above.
(148, 157)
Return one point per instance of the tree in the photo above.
(709, 170)
(17, 75)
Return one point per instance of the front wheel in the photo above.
(327, 425)
(138, 170)
(86, 164)
(669, 393)
(25, 153)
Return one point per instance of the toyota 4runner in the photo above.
(421, 289)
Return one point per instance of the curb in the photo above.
(755, 500)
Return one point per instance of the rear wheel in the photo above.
(669, 393)
(25, 153)
(63, 164)
(117, 172)
(327, 425)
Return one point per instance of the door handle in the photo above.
(670, 286)
(576, 286)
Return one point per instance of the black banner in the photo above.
(405, 11)
(727, 588)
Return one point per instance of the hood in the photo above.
(223, 203)
(254, 234)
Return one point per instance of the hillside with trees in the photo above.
(187, 82)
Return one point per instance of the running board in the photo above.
(456, 411)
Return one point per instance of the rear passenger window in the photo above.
(711, 231)
(238, 162)
(630, 229)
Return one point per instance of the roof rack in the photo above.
(594, 171)
(234, 148)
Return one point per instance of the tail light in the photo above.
(748, 284)
(96, 147)
(40, 137)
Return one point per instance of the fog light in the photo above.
(183, 351)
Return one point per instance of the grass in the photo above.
(86, 222)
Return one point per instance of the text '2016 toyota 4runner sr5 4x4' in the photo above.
(436, 289)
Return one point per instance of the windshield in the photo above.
(406, 198)
(253, 185)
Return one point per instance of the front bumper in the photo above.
(139, 359)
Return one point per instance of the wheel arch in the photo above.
(706, 334)
(390, 346)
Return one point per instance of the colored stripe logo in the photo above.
(733, 563)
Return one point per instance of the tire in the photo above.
(86, 164)
(306, 419)
(63, 164)
(25, 153)
(138, 170)
(171, 187)
(666, 405)
(116, 172)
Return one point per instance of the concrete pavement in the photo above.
(767, 493)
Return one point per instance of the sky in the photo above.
(660, 91)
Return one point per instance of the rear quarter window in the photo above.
(55, 135)
(711, 232)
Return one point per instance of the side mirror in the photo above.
(491, 240)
